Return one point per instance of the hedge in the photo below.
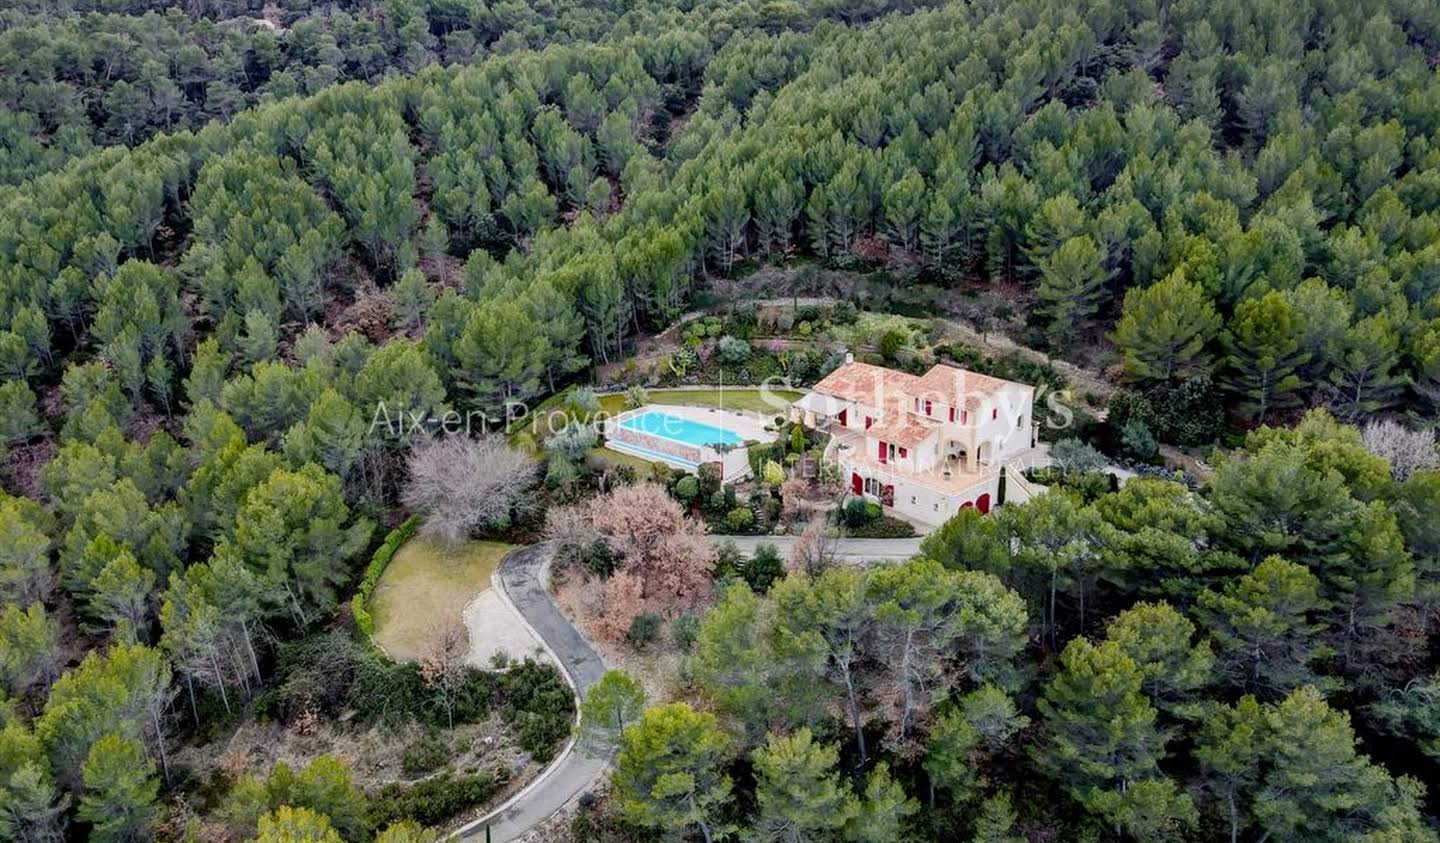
(378, 563)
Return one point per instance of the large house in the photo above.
(926, 445)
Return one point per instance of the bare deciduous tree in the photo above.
(666, 558)
(569, 528)
(443, 665)
(465, 485)
(1406, 450)
(815, 548)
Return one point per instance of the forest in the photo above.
(230, 232)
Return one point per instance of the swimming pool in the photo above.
(682, 430)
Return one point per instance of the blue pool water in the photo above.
(682, 430)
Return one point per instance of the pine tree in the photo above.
(1102, 742)
(120, 791)
(798, 791)
(609, 706)
(1165, 329)
(1265, 344)
(1263, 625)
(669, 775)
(1071, 288)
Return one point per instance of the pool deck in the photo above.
(748, 425)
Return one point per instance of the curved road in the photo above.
(523, 579)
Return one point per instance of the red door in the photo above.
(982, 503)
(882, 453)
(856, 484)
(841, 417)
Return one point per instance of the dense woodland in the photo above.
(224, 244)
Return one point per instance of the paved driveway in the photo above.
(522, 580)
(850, 550)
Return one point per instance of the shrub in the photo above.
(1072, 455)
(763, 569)
(892, 342)
(685, 629)
(540, 705)
(359, 605)
(425, 755)
(585, 399)
(859, 511)
(433, 801)
(687, 488)
(741, 519)
(572, 441)
(644, 630)
(1137, 443)
(798, 442)
(600, 561)
(883, 527)
(1090, 485)
(732, 351)
(846, 313)
(635, 396)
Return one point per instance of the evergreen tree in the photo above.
(799, 793)
(1165, 330)
(669, 775)
(120, 791)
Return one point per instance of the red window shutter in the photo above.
(883, 451)
(903, 452)
(927, 408)
(868, 421)
(994, 413)
(952, 414)
(964, 416)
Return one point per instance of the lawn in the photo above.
(731, 398)
(425, 582)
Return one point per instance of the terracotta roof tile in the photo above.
(876, 386)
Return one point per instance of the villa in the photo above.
(926, 445)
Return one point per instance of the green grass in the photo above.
(425, 583)
(731, 398)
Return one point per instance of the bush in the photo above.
(1089, 485)
(859, 512)
(892, 342)
(359, 605)
(433, 801)
(883, 527)
(685, 629)
(732, 351)
(425, 755)
(687, 488)
(600, 561)
(763, 569)
(540, 705)
(846, 313)
(1072, 455)
(1137, 443)
(636, 396)
(741, 519)
(644, 630)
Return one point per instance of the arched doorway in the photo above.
(982, 503)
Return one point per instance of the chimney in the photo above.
(849, 357)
